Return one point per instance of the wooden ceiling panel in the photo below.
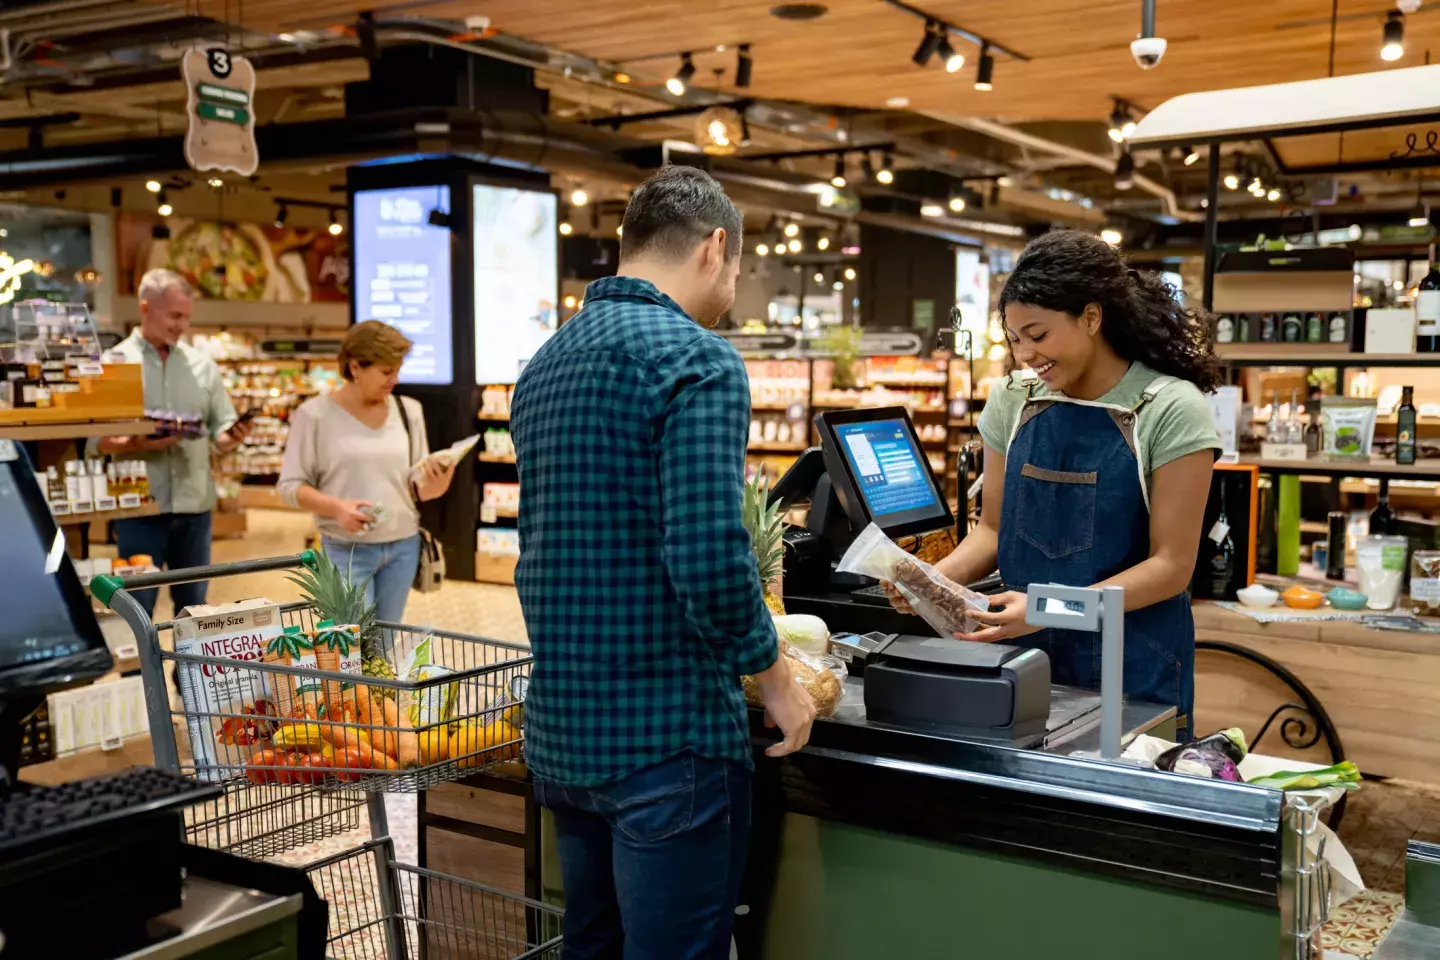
(858, 54)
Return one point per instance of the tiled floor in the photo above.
(1381, 817)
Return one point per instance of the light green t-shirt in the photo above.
(1175, 424)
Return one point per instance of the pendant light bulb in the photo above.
(1392, 46)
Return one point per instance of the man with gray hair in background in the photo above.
(180, 379)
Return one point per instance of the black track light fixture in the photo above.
(867, 168)
(1392, 39)
(678, 83)
(1125, 171)
(1192, 156)
(985, 72)
(1122, 122)
(838, 181)
(952, 60)
(886, 173)
(281, 216)
(743, 66)
(928, 45)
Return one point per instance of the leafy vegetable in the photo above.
(1345, 775)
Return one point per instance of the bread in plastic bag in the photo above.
(940, 602)
(823, 677)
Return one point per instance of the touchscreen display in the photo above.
(402, 275)
(889, 470)
(39, 623)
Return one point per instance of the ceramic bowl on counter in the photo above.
(1303, 598)
(1257, 596)
(1342, 599)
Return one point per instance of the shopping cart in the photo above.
(299, 762)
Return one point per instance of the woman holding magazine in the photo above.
(350, 460)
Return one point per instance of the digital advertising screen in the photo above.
(402, 275)
(889, 469)
(517, 278)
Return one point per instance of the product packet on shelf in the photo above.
(432, 705)
(939, 601)
(225, 707)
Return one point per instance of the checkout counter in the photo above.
(96, 869)
(974, 822)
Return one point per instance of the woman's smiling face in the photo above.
(1057, 346)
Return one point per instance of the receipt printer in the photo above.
(957, 688)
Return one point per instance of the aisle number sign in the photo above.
(220, 110)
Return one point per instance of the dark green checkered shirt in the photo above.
(636, 577)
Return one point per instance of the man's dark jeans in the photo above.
(652, 863)
(175, 541)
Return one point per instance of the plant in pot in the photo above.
(843, 346)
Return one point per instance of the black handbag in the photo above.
(430, 574)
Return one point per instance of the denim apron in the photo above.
(1076, 512)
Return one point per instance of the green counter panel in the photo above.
(849, 893)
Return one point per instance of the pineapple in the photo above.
(336, 598)
(766, 526)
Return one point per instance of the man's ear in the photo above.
(715, 249)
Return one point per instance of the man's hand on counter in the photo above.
(787, 706)
(1005, 623)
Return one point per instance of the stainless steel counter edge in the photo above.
(1115, 785)
(214, 913)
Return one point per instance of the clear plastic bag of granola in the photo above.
(940, 601)
(823, 677)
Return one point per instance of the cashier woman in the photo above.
(1098, 452)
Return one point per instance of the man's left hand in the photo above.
(235, 436)
(1005, 623)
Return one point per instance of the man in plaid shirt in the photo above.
(639, 589)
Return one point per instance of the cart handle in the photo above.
(104, 586)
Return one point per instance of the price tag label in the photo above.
(487, 513)
(1219, 531)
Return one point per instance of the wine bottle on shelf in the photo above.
(1275, 431)
(1427, 309)
(1405, 440)
(1222, 554)
(1295, 428)
(1382, 518)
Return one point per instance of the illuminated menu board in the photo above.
(517, 278)
(402, 275)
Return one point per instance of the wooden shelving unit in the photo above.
(495, 458)
(1428, 469)
(77, 431)
(76, 519)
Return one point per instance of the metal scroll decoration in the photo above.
(1412, 148)
(1307, 722)
(1299, 731)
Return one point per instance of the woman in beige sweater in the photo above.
(348, 460)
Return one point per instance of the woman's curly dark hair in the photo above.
(1141, 315)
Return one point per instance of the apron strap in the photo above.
(1150, 392)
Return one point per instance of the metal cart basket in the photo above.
(298, 761)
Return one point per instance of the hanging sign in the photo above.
(220, 110)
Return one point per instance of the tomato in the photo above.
(286, 761)
(349, 764)
(312, 768)
(265, 758)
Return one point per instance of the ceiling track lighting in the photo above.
(678, 83)
(951, 59)
(985, 72)
(1122, 122)
(1392, 38)
(1192, 156)
(867, 168)
(565, 228)
(162, 204)
(1420, 213)
(929, 44)
(336, 227)
(957, 203)
(838, 181)
(743, 66)
(1125, 171)
(886, 173)
(281, 216)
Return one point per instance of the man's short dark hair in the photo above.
(675, 209)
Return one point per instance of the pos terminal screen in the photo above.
(48, 628)
(889, 470)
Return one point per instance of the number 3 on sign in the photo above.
(219, 61)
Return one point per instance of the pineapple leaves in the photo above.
(766, 526)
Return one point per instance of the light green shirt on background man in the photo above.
(187, 381)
